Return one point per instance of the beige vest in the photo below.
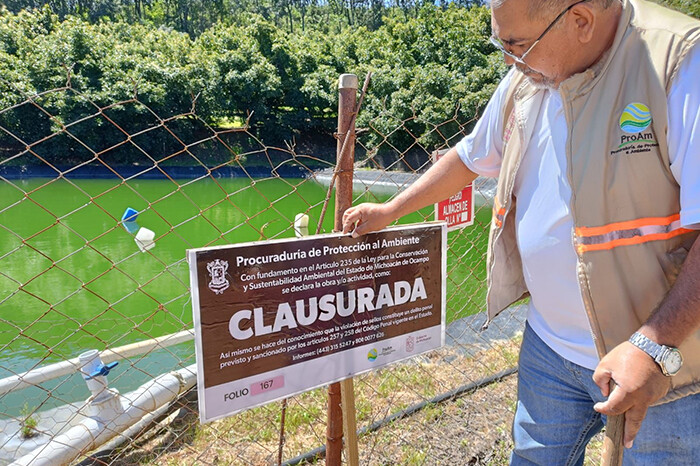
(625, 201)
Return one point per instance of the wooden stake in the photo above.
(613, 447)
(347, 391)
(341, 408)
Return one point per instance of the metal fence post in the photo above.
(337, 410)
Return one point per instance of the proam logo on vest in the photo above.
(634, 122)
(635, 118)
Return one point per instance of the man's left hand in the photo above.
(639, 382)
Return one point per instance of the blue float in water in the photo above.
(129, 220)
(130, 215)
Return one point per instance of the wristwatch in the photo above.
(669, 359)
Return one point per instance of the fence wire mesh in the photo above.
(74, 278)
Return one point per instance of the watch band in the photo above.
(647, 345)
(669, 359)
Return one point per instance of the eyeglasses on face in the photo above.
(498, 43)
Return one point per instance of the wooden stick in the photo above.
(280, 448)
(334, 428)
(613, 446)
(349, 422)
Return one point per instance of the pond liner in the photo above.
(320, 452)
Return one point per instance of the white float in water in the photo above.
(144, 239)
(301, 225)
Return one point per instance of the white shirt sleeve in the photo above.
(481, 150)
(684, 136)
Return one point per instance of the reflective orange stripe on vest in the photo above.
(498, 213)
(630, 232)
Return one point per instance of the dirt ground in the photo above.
(470, 429)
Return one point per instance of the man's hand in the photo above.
(366, 218)
(445, 178)
(639, 383)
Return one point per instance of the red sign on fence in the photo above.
(458, 210)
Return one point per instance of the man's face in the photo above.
(544, 62)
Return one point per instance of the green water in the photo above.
(72, 278)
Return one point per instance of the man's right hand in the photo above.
(442, 180)
(366, 218)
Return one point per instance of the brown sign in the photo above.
(265, 306)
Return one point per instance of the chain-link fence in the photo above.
(97, 209)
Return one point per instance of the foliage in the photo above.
(689, 7)
(270, 63)
(435, 65)
(428, 70)
(196, 16)
(28, 423)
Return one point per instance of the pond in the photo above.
(72, 278)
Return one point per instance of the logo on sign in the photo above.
(410, 344)
(372, 355)
(217, 271)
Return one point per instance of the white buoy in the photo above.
(144, 239)
(301, 225)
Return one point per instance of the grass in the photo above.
(472, 429)
(432, 412)
(252, 437)
(413, 456)
(29, 422)
(230, 123)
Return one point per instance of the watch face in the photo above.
(673, 361)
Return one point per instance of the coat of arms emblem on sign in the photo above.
(217, 271)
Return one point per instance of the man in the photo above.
(595, 138)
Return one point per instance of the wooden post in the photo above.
(334, 428)
(347, 97)
(341, 401)
(347, 109)
(347, 392)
